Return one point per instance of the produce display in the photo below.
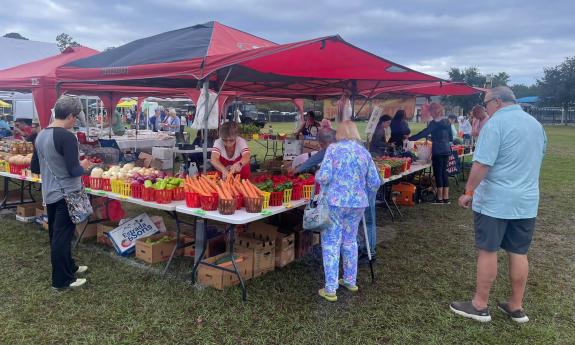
(17, 147)
(247, 131)
(392, 166)
(226, 196)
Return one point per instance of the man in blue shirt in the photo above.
(326, 136)
(504, 187)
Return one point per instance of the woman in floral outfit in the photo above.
(346, 176)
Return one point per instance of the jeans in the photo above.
(61, 232)
(340, 238)
(370, 223)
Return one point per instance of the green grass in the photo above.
(425, 261)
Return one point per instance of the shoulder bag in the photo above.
(78, 202)
(316, 213)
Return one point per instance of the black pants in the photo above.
(61, 232)
(439, 163)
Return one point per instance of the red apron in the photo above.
(244, 173)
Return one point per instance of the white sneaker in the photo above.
(79, 282)
(82, 269)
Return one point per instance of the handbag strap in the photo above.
(52, 172)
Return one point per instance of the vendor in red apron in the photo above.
(230, 152)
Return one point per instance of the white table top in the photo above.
(415, 167)
(164, 207)
(240, 216)
(20, 177)
(197, 150)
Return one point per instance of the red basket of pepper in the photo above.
(149, 194)
(297, 192)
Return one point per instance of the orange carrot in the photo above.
(255, 189)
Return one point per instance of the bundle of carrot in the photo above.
(226, 189)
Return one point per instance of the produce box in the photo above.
(162, 164)
(91, 232)
(285, 249)
(155, 248)
(25, 219)
(219, 279)
(163, 152)
(102, 233)
(262, 253)
(303, 243)
(27, 210)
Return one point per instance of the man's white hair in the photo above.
(504, 93)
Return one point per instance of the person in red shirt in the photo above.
(231, 153)
(22, 129)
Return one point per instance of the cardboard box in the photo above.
(262, 231)
(262, 253)
(27, 210)
(220, 279)
(316, 239)
(303, 243)
(41, 211)
(292, 148)
(285, 257)
(102, 233)
(162, 164)
(144, 160)
(310, 145)
(153, 253)
(163, 152)
(91, 232)
(285, 249)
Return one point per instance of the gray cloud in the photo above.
(518, 37)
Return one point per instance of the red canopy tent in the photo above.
(443, 88)
(320, 67)
(40, 78)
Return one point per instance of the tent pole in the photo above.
(206, 89)
(208, 108)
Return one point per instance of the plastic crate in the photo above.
(178, 194)
(209, 203)
(149, 194)
(121, 187)
(276, 198)
(86, 181)
(192, 200)
(287, 196)
(239, 201)
(265, 200)
(16, 169)
(297, 192)
(307, 191)
(106, 185)
(163, 196)
(96, 183)
(137, 190)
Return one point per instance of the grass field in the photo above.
(425, 261)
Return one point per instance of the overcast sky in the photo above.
(517, 37)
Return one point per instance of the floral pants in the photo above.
(340, 236)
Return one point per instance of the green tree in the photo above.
(15, 35)
(557, 87)
(521, 90)
(470, 76)
(500, 79)
(64, 41)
